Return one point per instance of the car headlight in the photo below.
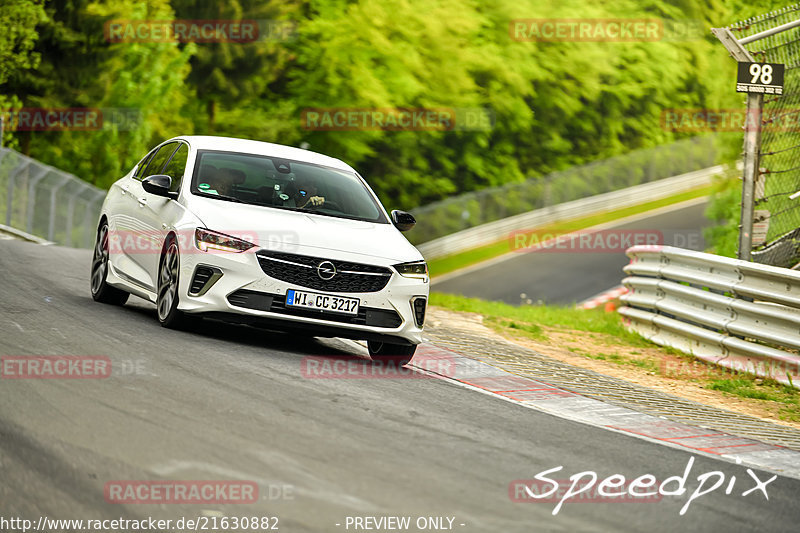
(414, 269)
(206, 240)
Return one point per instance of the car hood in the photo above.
(302, 233)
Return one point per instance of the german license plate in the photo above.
(321, 302)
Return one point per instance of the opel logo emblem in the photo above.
(326, 270)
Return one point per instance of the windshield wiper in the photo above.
(224, 197)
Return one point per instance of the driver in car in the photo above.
(305, 195)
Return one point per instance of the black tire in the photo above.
(167, 296)
(398, 354)
(102, 291)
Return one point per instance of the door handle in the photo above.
(142, 202)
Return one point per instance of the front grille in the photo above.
(302, 270)
(276, 303)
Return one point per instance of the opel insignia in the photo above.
(255, 232)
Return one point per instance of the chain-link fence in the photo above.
(776, 204)
(487, 205)
(59, 207)
(47, 202)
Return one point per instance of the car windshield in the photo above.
(284, 184)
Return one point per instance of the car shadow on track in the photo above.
(255, 336)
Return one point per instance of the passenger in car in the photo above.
(225, 180)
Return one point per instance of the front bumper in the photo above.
(242, 292)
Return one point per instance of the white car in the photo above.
(256, 232)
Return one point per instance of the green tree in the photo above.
(231, 76)
(80, 69)
(19, 19)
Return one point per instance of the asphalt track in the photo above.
(572, 274)
(229, 402)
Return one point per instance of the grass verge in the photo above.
(450, 263)
(601, 337)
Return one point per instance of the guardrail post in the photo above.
(51, 227)
(87, 201)
(70, 214)
(89, 218)
(12, 176)
(32, 197)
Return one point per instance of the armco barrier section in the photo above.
(494, 231)
(740, 315)
(48, 203)
(645, 165)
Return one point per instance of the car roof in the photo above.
(231, 144)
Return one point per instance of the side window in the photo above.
(139, 171)
(176, 167)
(157, 161)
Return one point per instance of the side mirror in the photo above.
(402, 220)
(159, 185)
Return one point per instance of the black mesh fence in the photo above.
(776, 234)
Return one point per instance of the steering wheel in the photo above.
(327, 205)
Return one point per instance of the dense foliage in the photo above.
(555, 104)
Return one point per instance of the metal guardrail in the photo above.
(43, 201)
(740, 315)
(491, 204)
(494, 231)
